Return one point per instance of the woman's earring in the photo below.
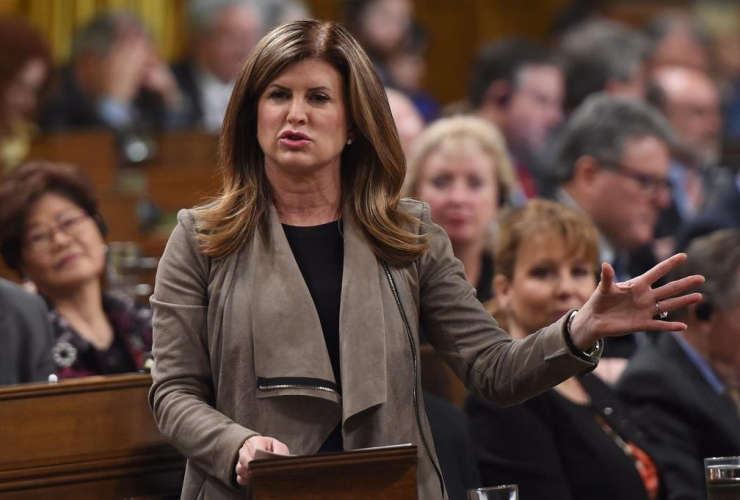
(349, 142)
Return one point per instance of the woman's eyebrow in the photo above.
(322, 88)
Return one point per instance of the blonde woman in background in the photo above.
(461, 167)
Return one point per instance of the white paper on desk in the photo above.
(386, 447)
(260, 454)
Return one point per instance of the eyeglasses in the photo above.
(73, 224)
(648, 183)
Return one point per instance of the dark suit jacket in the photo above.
(25, 337)
(69, 108)
(683, 416)
(184, 73)
(723, 213)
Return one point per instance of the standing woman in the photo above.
(461, 167)
(287, 312)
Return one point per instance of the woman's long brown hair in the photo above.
(373, 167)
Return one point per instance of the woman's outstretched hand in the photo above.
(621, 308)
(247, 451)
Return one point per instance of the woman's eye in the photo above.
(540, 272)
(475, 182)
(320, 98)
(278, 95)
(35, 238)
(580, 271)
(68, 223)
(440, 182)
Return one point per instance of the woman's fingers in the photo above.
(607, 276)
(279, 447)
(247, 454)
(241, 474)
(665, 326)
(676, 287)
(668, 305)
(663, 268)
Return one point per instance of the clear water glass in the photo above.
(722, 475)
(505, 492)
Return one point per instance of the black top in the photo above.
(556, 449)
(75, 356)
(484, 287)
(319, 252)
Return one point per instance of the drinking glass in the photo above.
(722, 475)
(505, 492)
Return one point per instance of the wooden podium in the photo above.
(373, 474)
(92, 438)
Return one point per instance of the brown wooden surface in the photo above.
(386, 474)
(94, 151)
(438, 379)
(88, 438)
(183, 173)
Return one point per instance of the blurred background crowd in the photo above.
(548, 136)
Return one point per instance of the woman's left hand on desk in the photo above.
(247, 451)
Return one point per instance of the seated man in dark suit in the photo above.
(684, 387)
(222, 34)
(721, 213)
(115, 80)
(25, 337)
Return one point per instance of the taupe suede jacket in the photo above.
(239, 351)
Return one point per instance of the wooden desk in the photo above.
(384, 474)
(92, 438)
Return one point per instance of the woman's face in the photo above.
(384, 23)
(62, 247)
(548, 281)
(302, 121)
(21, 97)
(460, 186)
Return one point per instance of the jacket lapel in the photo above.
(361, 326)
(290, 354)
(288, 340)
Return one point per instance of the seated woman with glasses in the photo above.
(574, 441)
(52, 234)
